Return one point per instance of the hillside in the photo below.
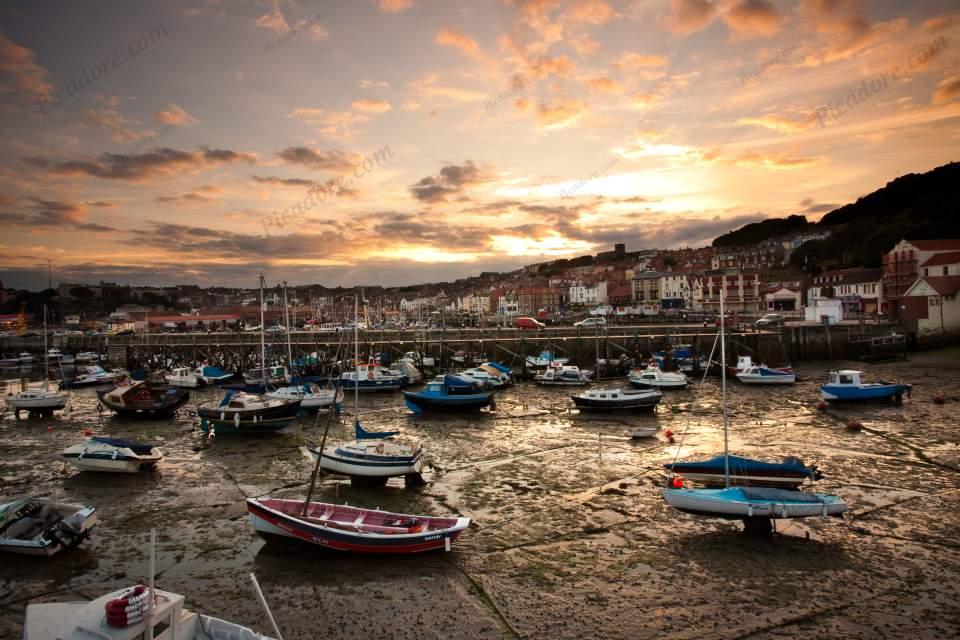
(756, 232)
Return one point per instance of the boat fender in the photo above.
(822, 405)
(676, 482)
(939, 399)
(236, 419)
(853, 425)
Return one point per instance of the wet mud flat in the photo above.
(570, 538)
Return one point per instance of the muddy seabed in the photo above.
(570, 539)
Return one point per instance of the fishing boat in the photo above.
(760, 374)
(134, 613)
(372, 454)
(545, 359)
(38, 401)
(563, 375)
(310, 395)
(792, 472)
(746, 362)
(38, 527)
(246, 413)
(212, 375)
(95, 375)
(140, 399)
(275, 375)
(353, 529)
(113, 455)
(653, 376)
(617, 399)
(437, 396)
(184, 377)
(369, 378)
(756, 506)
(846, 385)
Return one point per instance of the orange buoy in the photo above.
(822, 405)
(668, 433)
(88, 432)
(677, 483)
(939, 399)
(853, 425)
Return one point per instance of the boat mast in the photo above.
(263, 343)
(356, 353)
(723, 386)
(286, 321)
(46, 354)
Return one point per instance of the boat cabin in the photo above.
(845, 377)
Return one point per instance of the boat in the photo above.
(563, 375)
(745, 362)
(847, 385)
(127, 614)
(310, 395)
(498, 370)
(417, 359)
(212, 375)
(353, 529)
(112, 455)
(38, 401)
(370, 455)
(184, 377)
(545, 359)
(653, 376)
(140, 399)
(25, 357)
(275, 375)
(617, 399)
(761, 374)
(756, 506)
(409, 373)
(792, 472)
(9, 362)
(644, 432)
(95, 375)
(485, 377)
(87, 356)
(437, 396)
(459, 383)
(370, 377)
(39, 527)
(241, 412)
(59, 357)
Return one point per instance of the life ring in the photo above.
(128, 608)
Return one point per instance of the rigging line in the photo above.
(696, 400)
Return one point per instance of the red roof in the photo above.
(943, 285)
(952, 257)
(936, 245)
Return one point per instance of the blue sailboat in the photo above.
(438, 397)
(789, 473)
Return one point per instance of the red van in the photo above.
(528, 323)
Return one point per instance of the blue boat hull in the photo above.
(419, 401)
(850, 393)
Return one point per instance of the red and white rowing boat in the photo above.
(353, 529)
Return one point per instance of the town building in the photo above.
(674, 291)
(859, 290)
(742, 291)
(901, 267)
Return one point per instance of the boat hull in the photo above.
(849, 393)
(110, 465)
(417, 401)
(776, 378)
(370, 386)
(740, 503)
(157, 410)
(369, 466)
(79, 523)
(269, 522)
(631, 404)
(37, 404)
(250, 421)
(658, 384)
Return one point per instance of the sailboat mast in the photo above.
(723, 386)
(46, 353)
(286, 321)
(356, 353)
(263, 343)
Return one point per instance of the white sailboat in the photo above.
(756, 506)
(39, 401)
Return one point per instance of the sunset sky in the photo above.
(162, 143)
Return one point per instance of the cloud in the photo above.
(143, 166)
(561, 66)
(371, 106)
(774, 161)
(603, 84)
(753, 19)
(176, 116)
(947, 90)
(942, 23)
(109, 118)
(690, 16)
(283, 182)
(451, 181)
(591, 11)
(335, 125)
(24, 76)
(334, 160)
(564, 114)
(273, 20)
(426, 88)
(451, 37)
(53, 214)
(393, 6)
(781, 124)
(631, 60)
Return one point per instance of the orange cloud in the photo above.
(336, 125)
(774, 161)
(452, 37)
(393, 6)
(941, 23)
(631, 60)
(603, 84)
(561, 66)
(780, 123)
(564, 114)
(175, 115)
(25, 76)
(591, 11)
(371, 106)
(273, 20)
(753, 19)
(690, 16)
(947, 90)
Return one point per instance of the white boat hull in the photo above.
(778, 379)
(707, 502)
(332, 463)
(53, 402)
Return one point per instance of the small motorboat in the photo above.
(563, 375)
(184, 377)
(438, 396)
(737, 503)
(311, 396)
(36, 401)
(212, 375)
(371, 454)
(745, 471)
(654, 377)
(247, 413)
(762, 374)
(617, 399)
(746, 362)
(409, 373)
(846, 385)
(140, 399)
(38, 527)
(278, 375)
(123, 615)
(370, 377)
(353, 529)
(112, 455)
(95, 375)
(545, 359)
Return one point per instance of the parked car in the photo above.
(770, 320)
(528, 323)
(594, 321)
